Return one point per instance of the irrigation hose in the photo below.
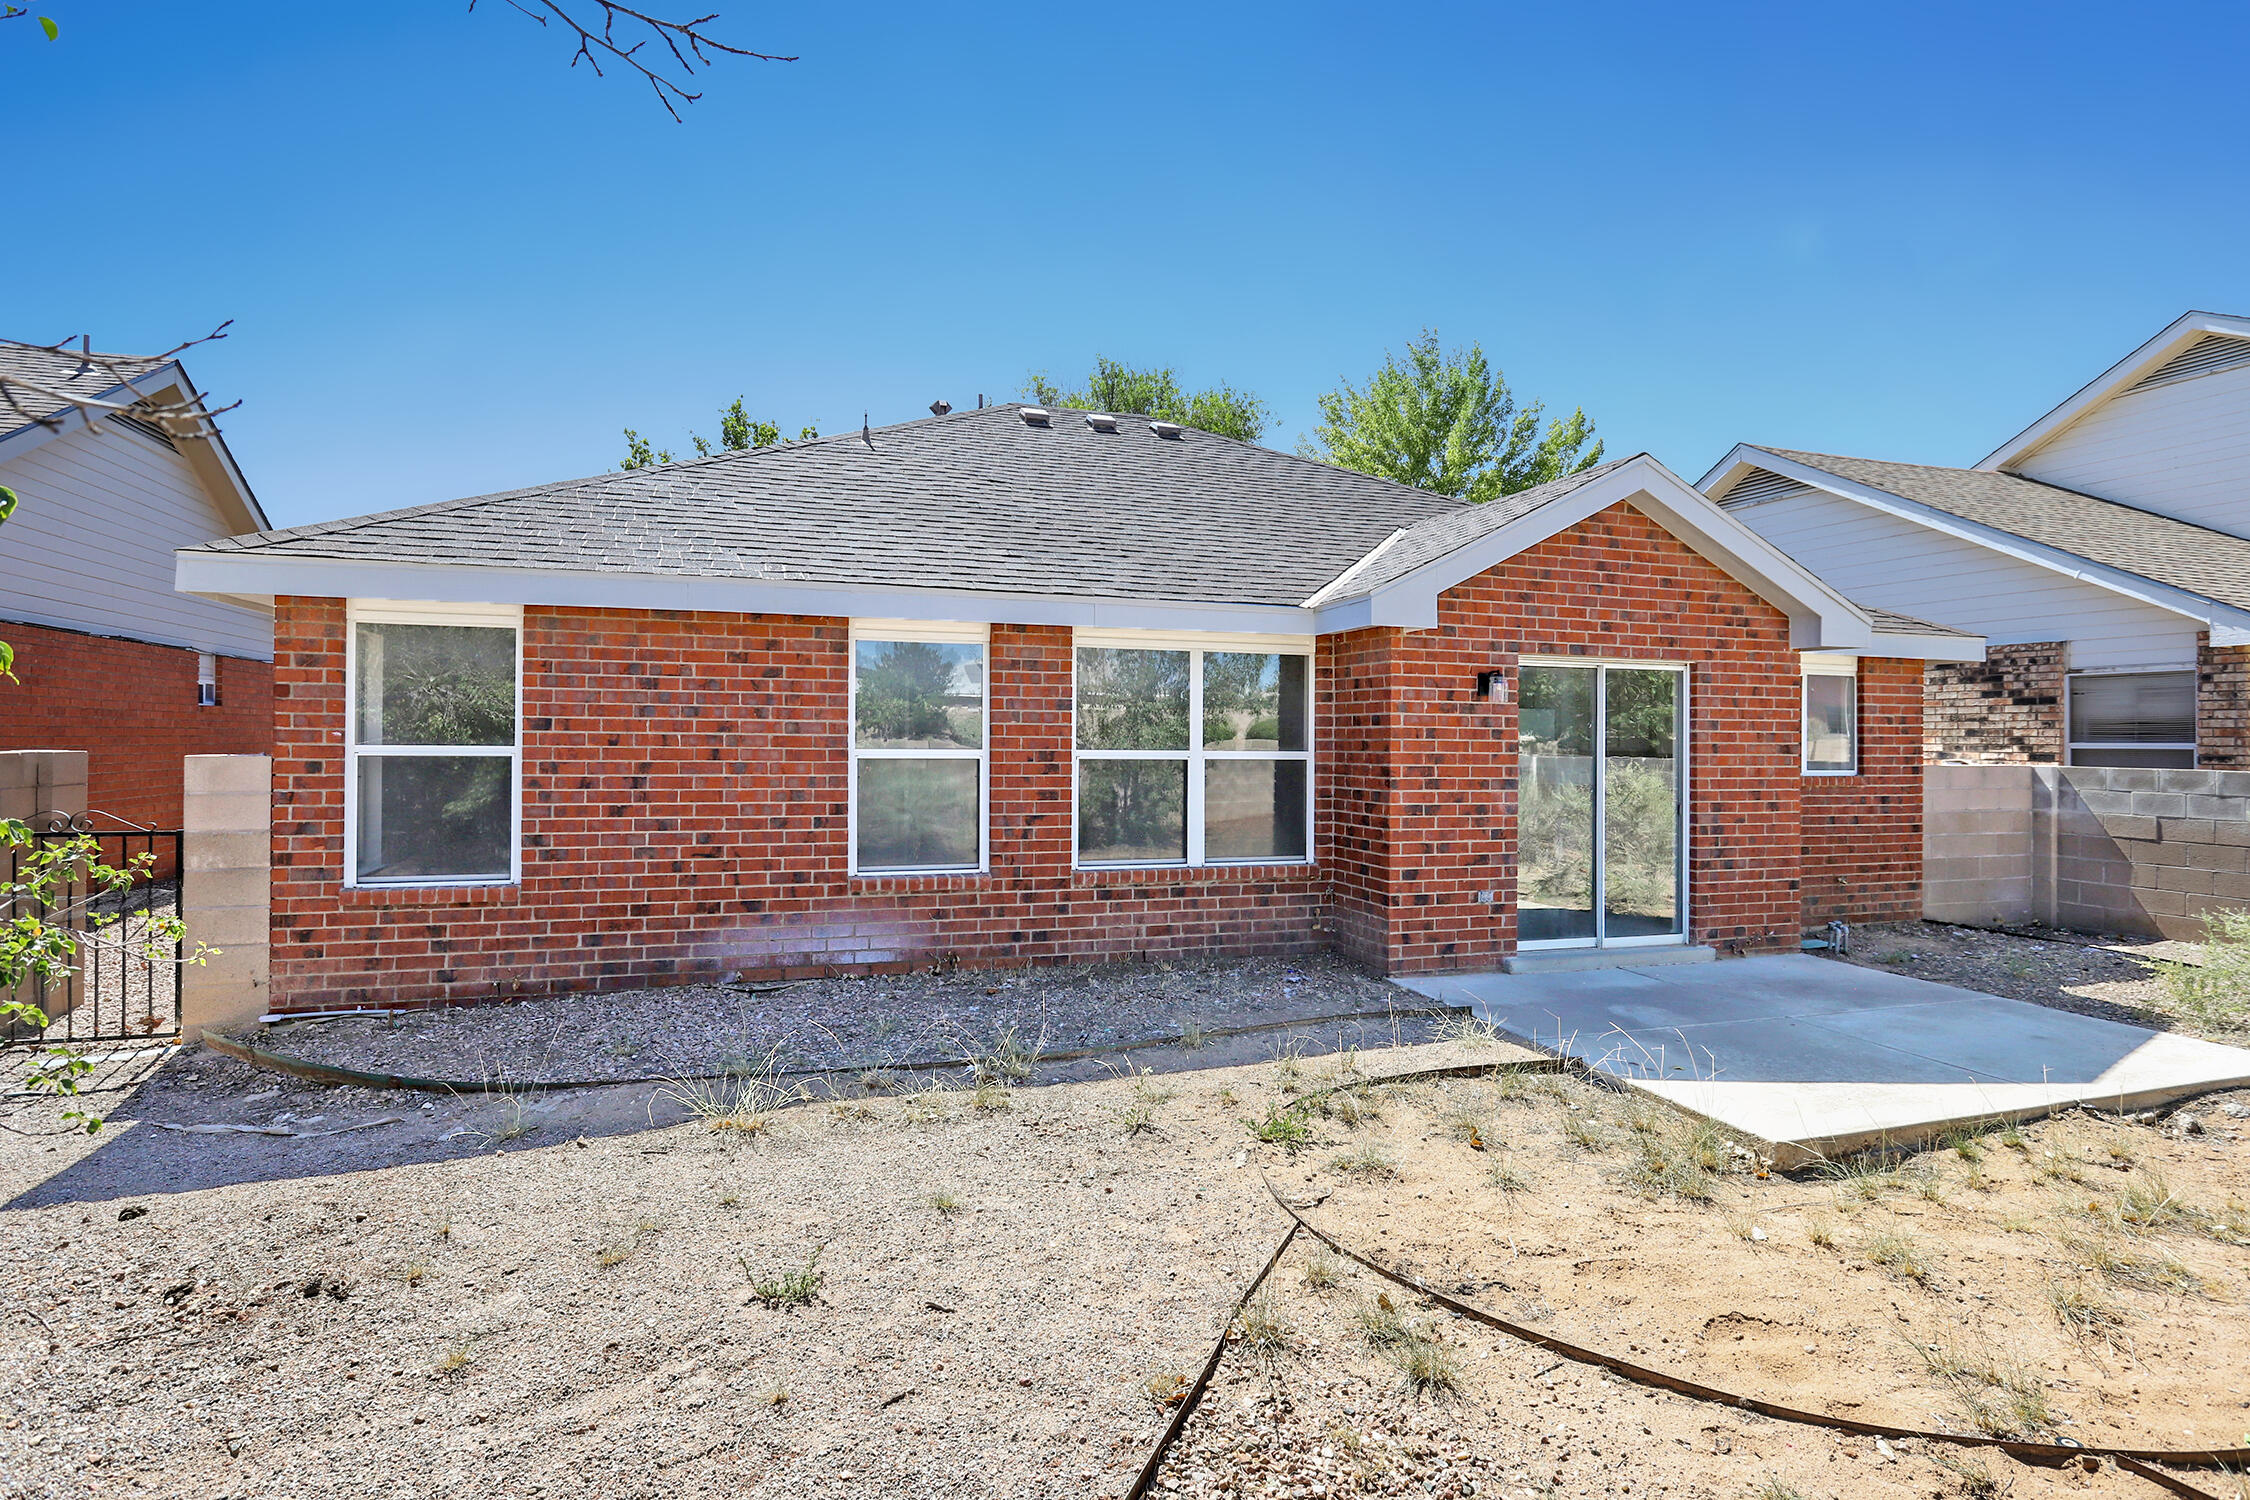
(1194, 1396)
(2134, 1459)
(330, 1073)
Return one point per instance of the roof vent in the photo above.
(940, 407)
(2206, 356)
(1101, 421)
(1763, 484)
(1166, 429)
(1036, 416)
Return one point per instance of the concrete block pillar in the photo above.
(226, 889)
(34, 786)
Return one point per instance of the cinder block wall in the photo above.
(2091, 848)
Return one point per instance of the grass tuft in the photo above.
(789, 1288)
(1281, 1127)
(1370, 1161)
(1898, 1254)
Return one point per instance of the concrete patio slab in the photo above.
(1819, 1057)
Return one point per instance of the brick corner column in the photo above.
(226, 889)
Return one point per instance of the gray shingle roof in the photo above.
(1891, 622)
(2204, 562)
(1450, 530)
(975, 500)
(64, 373)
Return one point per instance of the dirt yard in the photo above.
(2094, 976)
(966, 1292)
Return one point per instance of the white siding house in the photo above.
(2108, 543)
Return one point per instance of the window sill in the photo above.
(455, 893)
(1291, 869)
(1854, 771)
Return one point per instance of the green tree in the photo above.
(1446, 422)
(50, 910)
(738, 431)
(1157, 393)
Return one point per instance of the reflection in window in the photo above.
(1831, 734)
(433, 749)
(917, 755)
(1192, 757)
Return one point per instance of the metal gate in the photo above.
(121, 986)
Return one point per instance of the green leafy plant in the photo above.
(1281, 1127)
(1112, 386)
(2214, 994)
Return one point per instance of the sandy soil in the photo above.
(856, 1022)
(409, 1311)
(2092, 975)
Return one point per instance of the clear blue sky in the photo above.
(456, 265)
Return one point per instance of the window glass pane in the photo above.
(1254, 809)
(1132, 700)
(1132, 809)
(436, 684)
(1640, 803)
(2182, 759)
(1555, 835)
(2133, 708)
(915, 695)
(918, 814)
(433, 817)
(1253, 701)
(1831, 727)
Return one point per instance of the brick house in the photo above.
(110, 658)
(1012, 686)
(2103, 552)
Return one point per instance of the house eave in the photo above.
(2113, 381)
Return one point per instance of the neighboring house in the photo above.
(2104, 552)
(110, 658)
(1013, 686)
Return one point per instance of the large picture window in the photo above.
(917, 754)
(2132, 719)
(1189, 756)
(433, 747)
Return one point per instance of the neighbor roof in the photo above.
(2210, 564)
(1434, 536)
(976, 500)
(61, 372)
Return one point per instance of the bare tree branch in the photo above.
(30, 399)
(689, 44)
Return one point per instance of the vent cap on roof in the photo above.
(1034, 415)
(1166, 429)
(1101, 421)
(2207, 356)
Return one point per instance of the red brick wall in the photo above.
(1863, 833)
(131, 707)
(2006, 710)
(1421, 799)
(684, 818)
(2222, 705)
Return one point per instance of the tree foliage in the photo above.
(1156, 392)
(1447, 422)
(738, 431)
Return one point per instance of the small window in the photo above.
(1831, 716)
(206, 680)
(434, 752)
(1193, 757)
(2132, 719)
(917, 756)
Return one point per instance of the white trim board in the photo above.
(2229, 625)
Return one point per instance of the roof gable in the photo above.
(2154, 362)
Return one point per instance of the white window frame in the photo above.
(1196, 643)
(414, 612)
(933, 633)
(2071, 747)
(1811, 665)
(206, 679)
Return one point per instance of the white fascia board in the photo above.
(2118, 377)
(1820, 618)
(1728, 471)
(266, 576)
(2219, 617)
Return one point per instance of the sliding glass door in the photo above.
(1601, 805)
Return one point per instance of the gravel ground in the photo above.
(2092, 975)
(119, 990)
(880, 1021)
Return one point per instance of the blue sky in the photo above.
(455, 265)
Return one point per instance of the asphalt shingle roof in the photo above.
(1891, 622)
(2204, 562)
(64, 373)
(975, 500)
(1449, 531)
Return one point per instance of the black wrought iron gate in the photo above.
(124, 982)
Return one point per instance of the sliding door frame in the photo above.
(1684, 781)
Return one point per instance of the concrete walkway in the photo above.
(1820, 1057)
